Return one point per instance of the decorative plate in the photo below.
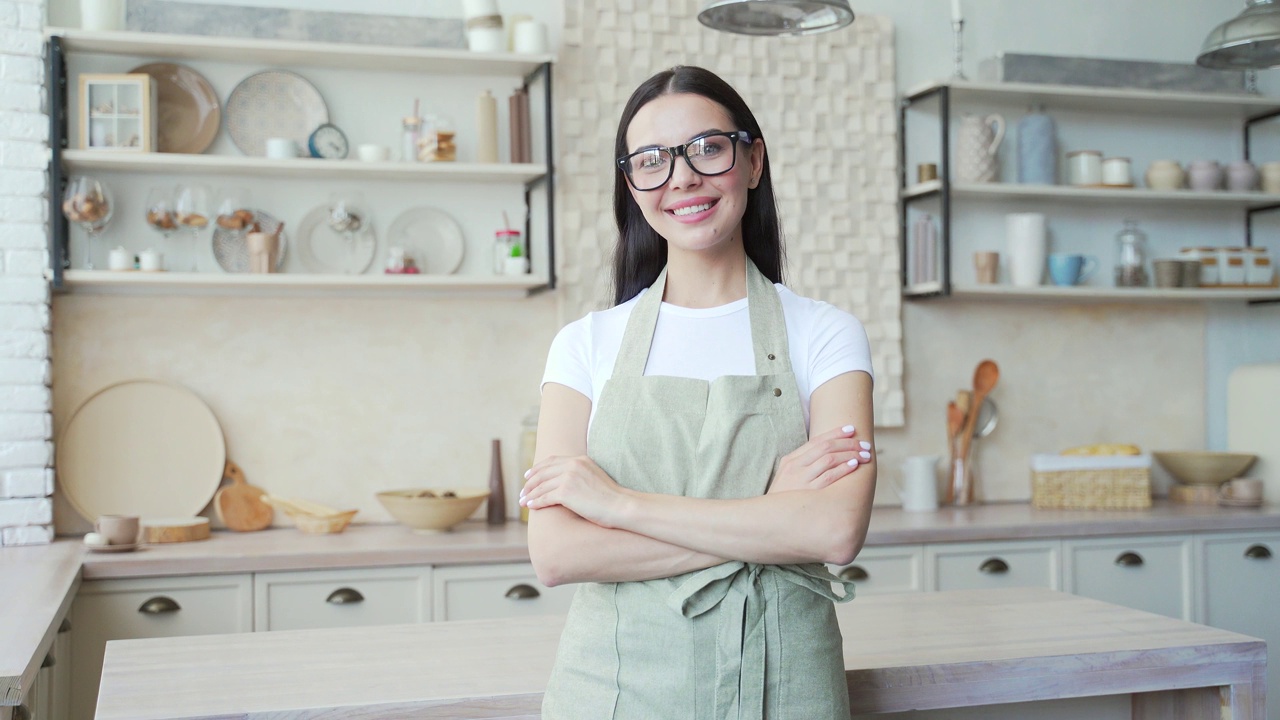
(187, 109)
(324, 250)
(274, 103)
(112, 548)
(431, 237)
(232, 251)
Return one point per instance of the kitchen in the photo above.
(290, 375)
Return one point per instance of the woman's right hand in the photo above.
(823, 460)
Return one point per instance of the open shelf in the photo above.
(1115, 294)
(135, 282)
(96, 160)
(1075, 97)
(292, 53)
(1093, 194)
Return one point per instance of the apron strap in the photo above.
(633, 355)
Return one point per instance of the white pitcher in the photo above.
(977, 142)
(919, 488)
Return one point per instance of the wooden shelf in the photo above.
(106, 282)
(96, 160)
(298, 54)
(1114, 294)
(1074, 97)
(1090, 194)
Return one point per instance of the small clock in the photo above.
(328, 143)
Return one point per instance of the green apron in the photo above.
(738, 640)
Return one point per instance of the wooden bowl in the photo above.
(1203, 467)
(411, 507)
(311, 517)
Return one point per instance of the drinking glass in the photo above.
(87, 203)
(191, 212)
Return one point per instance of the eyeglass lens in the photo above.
(652, 168)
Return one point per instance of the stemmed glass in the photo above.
(350, 217)
(88, 203)
(160, 215)
(191, 212)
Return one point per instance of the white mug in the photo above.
(1028, 240)
(149, 260)
(919, 488)
(282, 148)
(119, 259)
(370, 152)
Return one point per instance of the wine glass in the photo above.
(191, 213)
(349, 216)
(87, 203)
(160, 211)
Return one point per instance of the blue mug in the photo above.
(1071, 269)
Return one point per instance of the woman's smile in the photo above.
(693, 210)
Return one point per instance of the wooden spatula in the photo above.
(239, 505)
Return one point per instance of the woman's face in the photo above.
(718, 202)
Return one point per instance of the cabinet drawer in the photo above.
(341, 598)
(881, 570)
(969, 566)
(154, 607)
(477, 592)
(1152, 574)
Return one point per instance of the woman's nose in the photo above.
(683, 176)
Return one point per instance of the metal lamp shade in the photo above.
(1251, 40)
(776, 17)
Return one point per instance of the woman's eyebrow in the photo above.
(656, 146)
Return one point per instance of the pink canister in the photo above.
(1242, 176)
(1204, 175)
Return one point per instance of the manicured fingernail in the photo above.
(866, 445)
(853, 462)
(521, 492)
(527, 473)
(865, 455)
(847, 428)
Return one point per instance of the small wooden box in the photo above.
(118, 112)
(1091, 483)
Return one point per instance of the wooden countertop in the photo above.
(37, 585)
(902, 652)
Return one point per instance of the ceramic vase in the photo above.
(1037, 149)
(977, 142)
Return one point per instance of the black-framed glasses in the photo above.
(711, 154)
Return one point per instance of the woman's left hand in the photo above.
(576, 483)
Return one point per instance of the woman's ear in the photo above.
(757, 162)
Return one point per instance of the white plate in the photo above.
(141, 447)
(274, 103)
(431, 237)
(324, 250)
(231, 250)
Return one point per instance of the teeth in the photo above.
(691, 209)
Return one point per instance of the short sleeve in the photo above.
(568, 361)
(838, 344)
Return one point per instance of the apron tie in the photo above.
(737, 590)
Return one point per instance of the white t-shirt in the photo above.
(706, 343)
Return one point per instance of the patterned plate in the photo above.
(232, 252)
(187, 112)
(324, 250)
(274, 103)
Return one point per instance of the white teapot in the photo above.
(977, 142)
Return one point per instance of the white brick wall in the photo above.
(26, 422)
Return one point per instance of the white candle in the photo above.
(955, 11)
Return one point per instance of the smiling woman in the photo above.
(697, 457)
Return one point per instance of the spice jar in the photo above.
(1131, 256)
(503, 240)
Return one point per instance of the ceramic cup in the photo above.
(1117, 171)
(919, 488)
(150, 260)
(929, 171)
(1190, 273)
(102, 14)
(530, 37)
(1084, 167)
(1241, 490)
(1168, 273)
(986, 266)
(281, 148)
(371, 152)
(1028, 240)
(118, 529)
(119, 259)
(1071, 269)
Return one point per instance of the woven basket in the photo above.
(1100, 489)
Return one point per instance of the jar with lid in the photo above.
(503, 240)
(1231, 266)
(1131, 256)
(1258, 266)
(1209, 274)
(437, 141)
(410, 134)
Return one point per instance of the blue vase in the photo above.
(1037, 149)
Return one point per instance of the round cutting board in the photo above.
(141, 447)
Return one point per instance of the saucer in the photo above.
(112, 548)
(1233, 502)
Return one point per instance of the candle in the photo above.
(955, 11)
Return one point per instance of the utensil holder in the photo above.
(960, 480)
(264, 248)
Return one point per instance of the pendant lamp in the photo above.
(776, 17)
(1251, 40)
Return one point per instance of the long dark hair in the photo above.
(641, 252)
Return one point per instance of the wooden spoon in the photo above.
(985, 377)
(955, 420)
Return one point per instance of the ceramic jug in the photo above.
(919, 487)
(977, 142)
(1037, 149)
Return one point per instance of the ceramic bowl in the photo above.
(1203, 467)
(413, 508)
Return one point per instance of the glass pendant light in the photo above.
(776, 17)
(1251, 40)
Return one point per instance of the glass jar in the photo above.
(1131, 256)
(502, 242)
(410, 134)
(1231, 266)
(436, 143)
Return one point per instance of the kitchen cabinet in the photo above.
(341, 598)
(1239, 585)
(1124, 122)
(475, 194)
(148, 608)
(970, 566)
(1144, 573)
(885, 569)
(476, 592)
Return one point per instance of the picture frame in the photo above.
(117, 112)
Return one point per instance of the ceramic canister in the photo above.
(1085, 167)
(1242, 176)
(1165, 175)
(1037, 149)
(1271, 177)
(1204, 175)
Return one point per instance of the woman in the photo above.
(697, 458)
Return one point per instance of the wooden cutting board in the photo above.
(171, 530)
(1253, 422)
(239, 505)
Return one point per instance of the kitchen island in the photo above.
(923, 651)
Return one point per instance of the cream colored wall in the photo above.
(330, 399)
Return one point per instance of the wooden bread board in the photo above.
(174, 530)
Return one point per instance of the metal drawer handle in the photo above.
(22, 712)
(344, 596)
(1129, 559)
(65, 626)
(522, 592)
(854, 572)
(994, 566)
(49, 661)
(159, 605)
(1258, 552)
